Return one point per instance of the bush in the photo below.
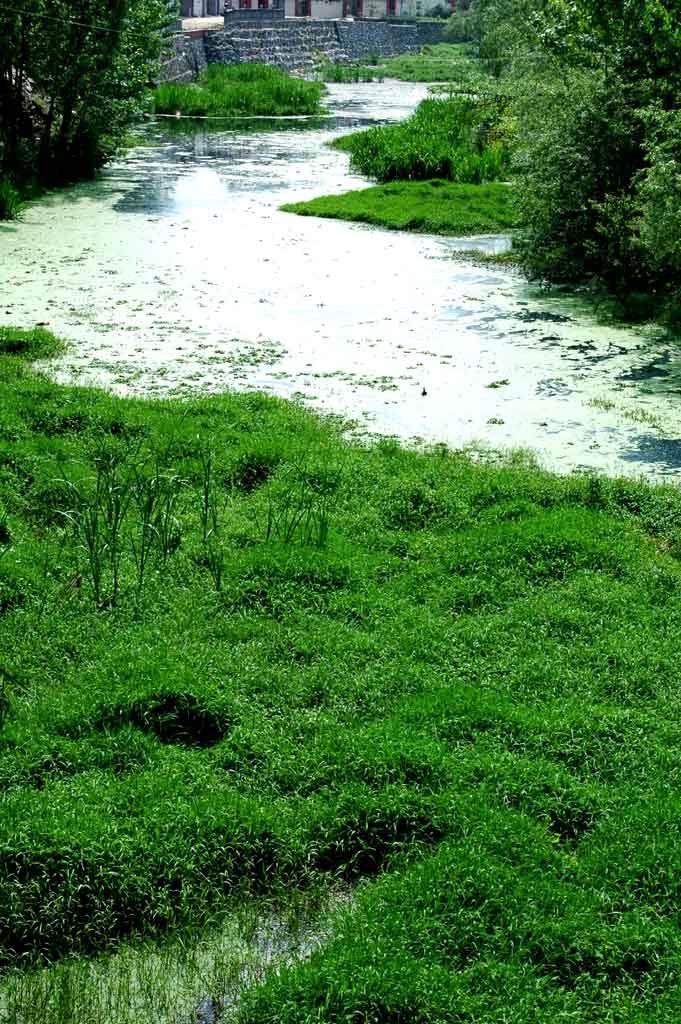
(580, 144)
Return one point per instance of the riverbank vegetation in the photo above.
(241, 89)
(434, 207)
(596, 91)
(242, 657)
(73, 77)
(591, 139)
(10, 200)
(456, 64)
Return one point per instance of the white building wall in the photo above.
(327, 8)
(324, 10)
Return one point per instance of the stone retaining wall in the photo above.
(296, 45)
(188, 59)
(386, 38)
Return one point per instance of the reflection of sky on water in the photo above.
(175, 270)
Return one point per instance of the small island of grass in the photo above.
(255, 90)
(434, 207)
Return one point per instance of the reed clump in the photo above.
(243, 89)
(457, 139)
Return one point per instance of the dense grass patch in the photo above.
(436, 207)
(452, 63)
(240, 656)
(29, 344)
(10, 200)
(458, 139)
(255, 89)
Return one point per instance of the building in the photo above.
(322, 10)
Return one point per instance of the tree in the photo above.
(598, 188)
(73, 74)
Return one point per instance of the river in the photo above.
(175, 272)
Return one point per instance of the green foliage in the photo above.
(659, 196)
(441, 62)
(580, 141)
(457, 139)
(242, 89)
(597, 145)
(435, 207)
(501, 31)
(454, 682)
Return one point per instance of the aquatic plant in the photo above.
(455, 138)
(242, 89)
(10, 200)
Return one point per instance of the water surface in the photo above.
(175, 272)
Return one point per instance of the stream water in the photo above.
(175, 272)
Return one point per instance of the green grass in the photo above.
(436, 207)
(241, 657)
(242, 89)
(36, 343)
(458, 139)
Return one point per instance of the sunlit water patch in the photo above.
(176, 272)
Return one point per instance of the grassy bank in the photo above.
(452, 63)
(240, 656)
(255, 89)
(435, 207)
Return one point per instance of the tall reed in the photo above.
(455, 138)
